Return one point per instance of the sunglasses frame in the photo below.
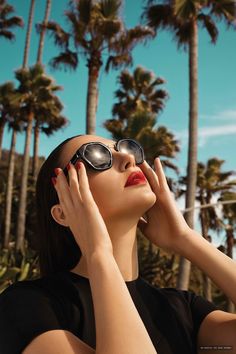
(80, 153)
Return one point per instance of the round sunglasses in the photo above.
(98, 156)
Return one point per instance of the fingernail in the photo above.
(68, 166)
(54, 180)
(78, 165)
(57, 171)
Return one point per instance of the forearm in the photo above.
(119, 328)
(219, 267)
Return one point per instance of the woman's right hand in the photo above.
(81, 212)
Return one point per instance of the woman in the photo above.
(90, 298)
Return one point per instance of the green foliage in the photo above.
(16, 267)
(156, 266)
(7, 21)
(179, 15)
(139, 100)
(95, 28)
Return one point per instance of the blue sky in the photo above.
(217, 84)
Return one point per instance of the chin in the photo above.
(147, 200)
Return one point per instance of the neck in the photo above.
(124, 242)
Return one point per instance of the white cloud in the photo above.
(205, 133)
(227, 115)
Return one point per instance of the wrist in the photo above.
(186, 243)
(99, 257)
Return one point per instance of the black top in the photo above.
(64, 301)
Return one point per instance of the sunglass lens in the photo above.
(98, 156)
(131, 147)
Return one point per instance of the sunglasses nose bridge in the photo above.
(123, 159)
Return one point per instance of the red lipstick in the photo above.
(136, 178)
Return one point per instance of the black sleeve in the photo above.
(26, 312)
(200, 308)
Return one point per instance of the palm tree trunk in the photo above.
(43, 32)
(2, 126)
(207, 288)
(28, 34)
(9, 190)
(20, 231)
(92, 97)
(36, 149)
(185, 265)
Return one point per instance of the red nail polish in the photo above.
(78, 165)
(68, 166)
(57, 171)
(54, 180)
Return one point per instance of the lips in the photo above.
(136, 178)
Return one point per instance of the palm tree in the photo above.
(211, 181)
(42, 31)
(9, 107)
(96, 29)
(140, 100)
(47, 121)
(7, 23)
(139, 91)
(182, 18)
(28, 34)
(141, 127)
(6, 91)
(16, 126)
(36, 91)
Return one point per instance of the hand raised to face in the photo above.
(79, 210)
(165, 225)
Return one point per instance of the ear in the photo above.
(58, 215)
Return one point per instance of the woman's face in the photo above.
(114, 200)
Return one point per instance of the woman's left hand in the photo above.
(165, 225)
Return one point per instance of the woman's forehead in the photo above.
(74, 144)
(83, 139)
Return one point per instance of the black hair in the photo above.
(58, 250)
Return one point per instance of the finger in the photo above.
(151, 176)
(84, 188)
(62, 189)
(160, 173)
(74, 183)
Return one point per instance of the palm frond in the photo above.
(138, 34)
(209, 24)
(183, 9)
(78, 29)
(116, 127)
(126, 80)
(7, 34)
(61, 37)
(159, 16)
(182, 33)
(65, 60)
(5, 9)
(118, 61)
(12, 22)
(110, 8)
(109, 28)
(223, 10)
(84, 10)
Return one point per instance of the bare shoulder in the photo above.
(58, 341)
(218, 330)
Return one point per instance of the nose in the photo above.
(123, 160)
